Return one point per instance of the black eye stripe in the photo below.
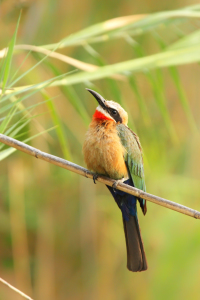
(114, 114)
(114, 111)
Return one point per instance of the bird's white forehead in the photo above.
(113, 104)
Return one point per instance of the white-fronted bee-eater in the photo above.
(112, 149)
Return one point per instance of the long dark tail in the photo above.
(136, 258)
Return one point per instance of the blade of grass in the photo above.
(15, 132)
(27, 108)
(36, 87)
(133, 83)
(114, 26)
(158, 88)
(158, 91)
(80, 37)
(59, 127)
(7, 119)
(73, 97)
(5, 153)
(28, 71)
(190, 39)
(9, 56)
(17, 71)
(2, 67)
(176, 79)
(140, 100)
(10, 130)
(77, 103)
(164, 59)
(183, 98)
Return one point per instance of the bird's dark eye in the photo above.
(114, 111)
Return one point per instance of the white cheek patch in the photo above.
(105, 113)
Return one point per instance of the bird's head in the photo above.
(109, 110)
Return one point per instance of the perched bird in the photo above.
(112, 149)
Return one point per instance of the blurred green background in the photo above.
(61, 236)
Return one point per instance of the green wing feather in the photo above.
(133, 158)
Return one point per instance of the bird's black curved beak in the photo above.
(98, 97)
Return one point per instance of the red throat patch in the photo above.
(100, 116)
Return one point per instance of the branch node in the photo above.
(196, 215)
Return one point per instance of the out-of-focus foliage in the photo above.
(61, 236)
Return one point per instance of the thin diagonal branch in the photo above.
(60, 162)
(14, 289)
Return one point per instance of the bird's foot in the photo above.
(115, 184)
(95, 176)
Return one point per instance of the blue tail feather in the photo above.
(126, 202)
(136, 259)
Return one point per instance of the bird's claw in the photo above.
(114, 186)
(95, 176)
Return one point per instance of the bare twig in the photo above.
(14, 289)
(60, 162)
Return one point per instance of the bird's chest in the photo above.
(103, 151)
